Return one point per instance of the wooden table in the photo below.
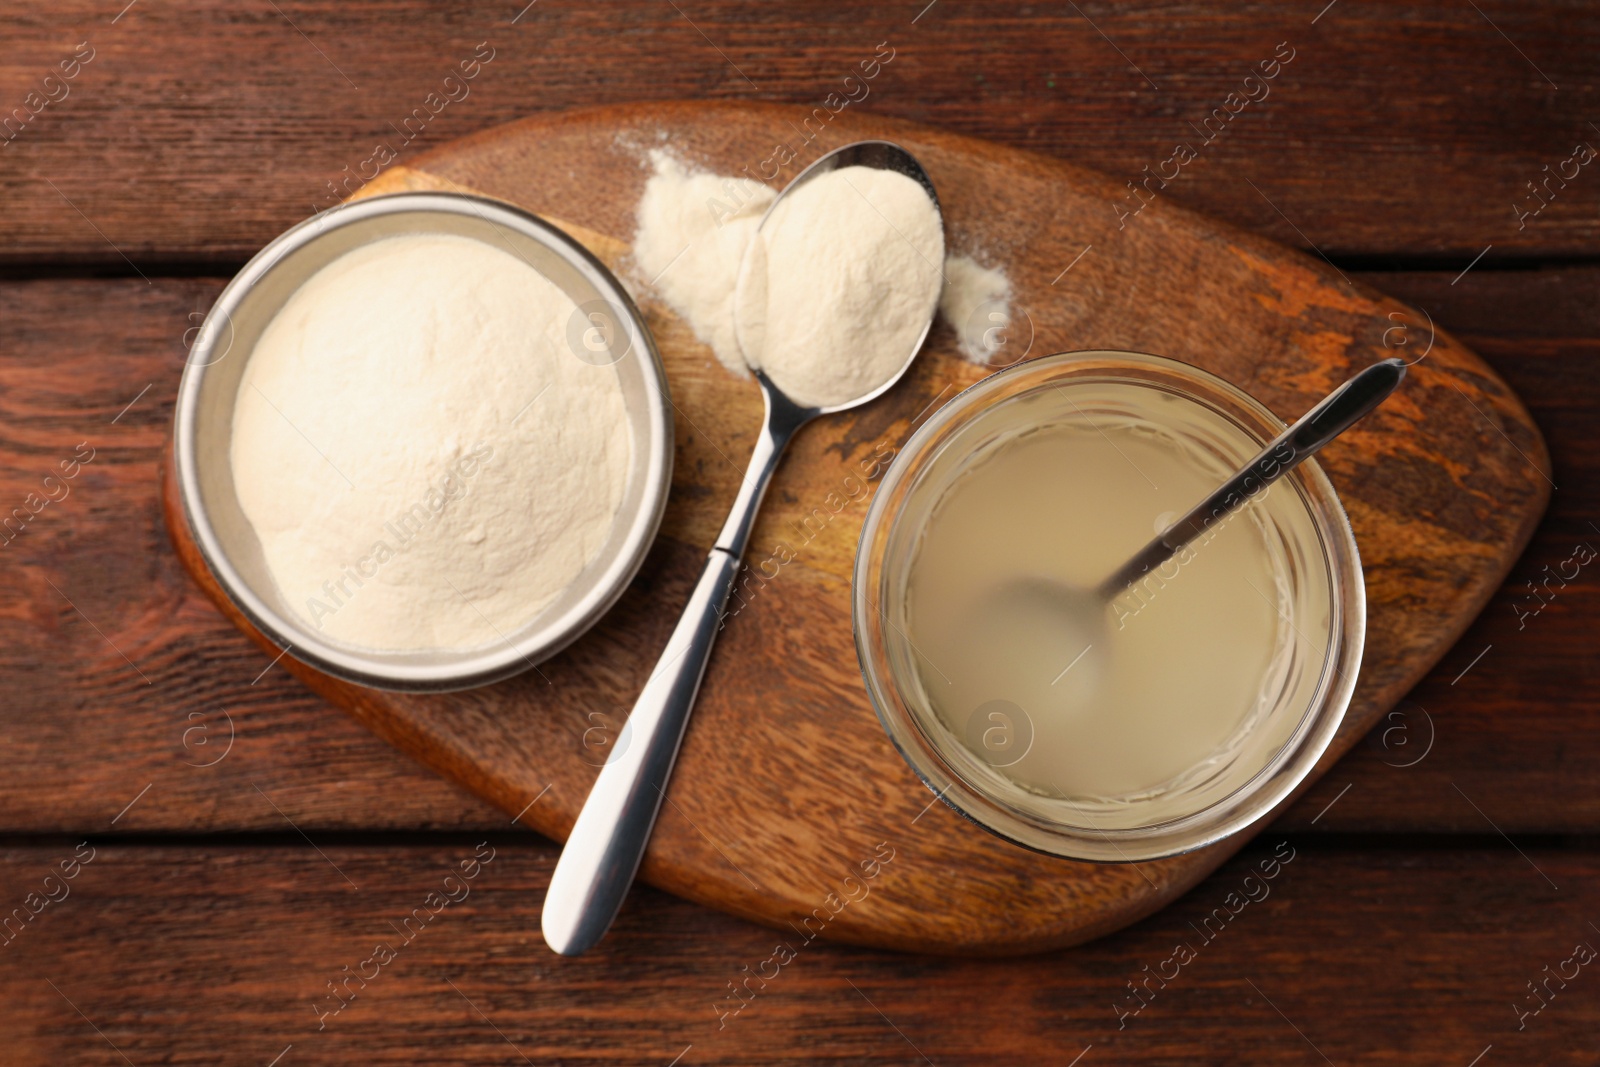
(246, 846)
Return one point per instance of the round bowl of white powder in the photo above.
(423, 441)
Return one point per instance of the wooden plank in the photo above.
(86, 734)
(200, 130)
(1399, 954)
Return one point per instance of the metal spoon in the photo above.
(606, 844)
(1332, 416)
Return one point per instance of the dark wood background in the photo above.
(1433, 879)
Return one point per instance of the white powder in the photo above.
(843, 280)
(693, 228)
(425, 461)
(976, 302)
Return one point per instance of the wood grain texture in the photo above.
(786, 781)
(1407, 138)
(1391, 955)
(1520, 733)
(1406, 131)
(117, 673)
(1508, 729)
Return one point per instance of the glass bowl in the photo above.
(1309, 551)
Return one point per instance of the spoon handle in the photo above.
(1335, 414)
(603, 851)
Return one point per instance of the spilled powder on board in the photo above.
(693, 230)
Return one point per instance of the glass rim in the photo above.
(1268, 786)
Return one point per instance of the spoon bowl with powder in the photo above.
(836, 294)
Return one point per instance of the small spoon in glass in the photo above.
(607, 842)
(1332, 416)
(1037, 619)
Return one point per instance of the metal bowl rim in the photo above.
(477, 666)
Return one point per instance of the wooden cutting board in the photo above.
(789, 802)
